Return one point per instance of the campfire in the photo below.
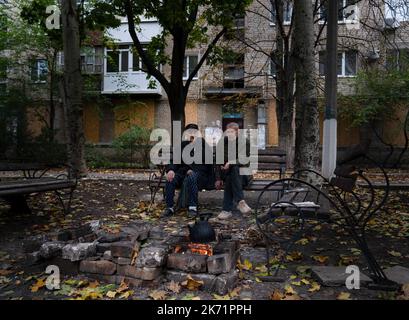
(200, 248)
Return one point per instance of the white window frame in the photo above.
(186, 73)
(286, 22)
(119, 50)
(343, 64)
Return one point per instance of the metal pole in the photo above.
(329, 146)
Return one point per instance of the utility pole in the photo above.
(329, 146)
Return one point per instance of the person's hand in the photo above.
(170, 175)
(226, 166)
(218, 184)
(189, 172)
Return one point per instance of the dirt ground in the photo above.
(118, 202)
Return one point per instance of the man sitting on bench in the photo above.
(229, 172)
(198, 175)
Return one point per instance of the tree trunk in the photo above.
(72, 88)
(307, 115)
(284, 88)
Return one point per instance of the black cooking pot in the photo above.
(202, 231)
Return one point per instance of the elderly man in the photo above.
(198, 174)
(229, 173)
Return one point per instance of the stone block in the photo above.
(81, 231)
(79, 251)
(51, 249)
(107, 255)
(398, 274)
(226, 282)
(139, 273)
(102, 247)
(101, 267)
(34, 243)
(209, 280)
(123, 261)
(188, 262)
(335, 276)
(122, 249)
(67, 267)
(221, 263)
(151, 257)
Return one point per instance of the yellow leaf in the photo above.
(296, 283)
(217, 297)
(38, 285)
(122, 287)
(294, 256)
(158, 295)
(292, 277)
(395, 253)
(289, 290)
(126, 294)
(305, 281)
(276, 295)
(320, 259)
(314, 287)
(192, 284)
(302, 241)
(111, 294)
(344, 296)
(247, 265)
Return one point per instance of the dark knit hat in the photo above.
(192, 126)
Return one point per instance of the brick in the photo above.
(79, 251)
(122, 249)
(226, 282)
(102, 247)
(100, 267)
(107, 255)
(151, 257)
(105, 237)
(123, 261)
(187, 262)
(51, 249)
(139, 273)
(88, 238)
(62, 235)
(133, 282)
(220, 263)
(209, 280)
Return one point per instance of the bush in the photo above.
(135, 139)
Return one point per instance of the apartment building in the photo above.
(242, 89)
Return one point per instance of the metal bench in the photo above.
(268, 160)
(307, 198)
(15, 191)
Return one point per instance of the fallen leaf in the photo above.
(314, 287)
(192, 284)
(289, 290)
(344, 296)
(395, 253)
(174, 286)
(218, 297)
(276, 295)
(320, 259)
(122, 287)
(111, 294)
(38, 285)
(158, 295)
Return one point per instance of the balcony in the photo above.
(123, 67)
(129, 82)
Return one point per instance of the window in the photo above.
(39, 70)
(275, 58)
(346, 63)
(347, 10)
(397, 59)
(288, 12)
(137, 64)
(233, 72)
(118, 60)
(190, 64)
(398, 10)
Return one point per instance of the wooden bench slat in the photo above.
(12, 184)
(41, 187)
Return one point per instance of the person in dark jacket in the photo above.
(228, 173)
(198, 174)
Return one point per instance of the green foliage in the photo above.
(135, 139)
(379, 94)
